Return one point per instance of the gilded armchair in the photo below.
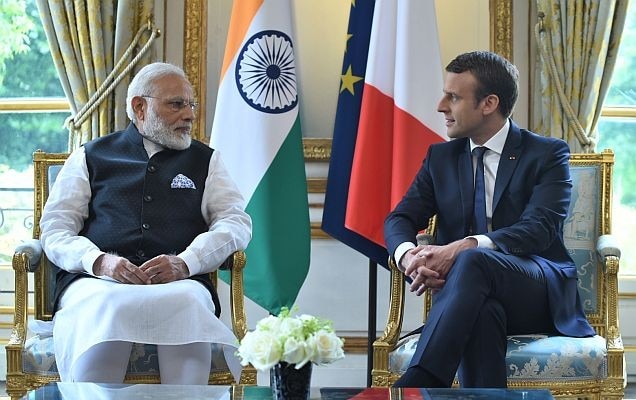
(30, 358)
(581, 368)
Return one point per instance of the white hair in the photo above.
(143, 83)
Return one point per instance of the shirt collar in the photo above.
(497, 142)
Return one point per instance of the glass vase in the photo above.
(289, 383)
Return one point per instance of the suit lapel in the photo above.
(507, 163)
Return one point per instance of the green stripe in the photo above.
(278, 255)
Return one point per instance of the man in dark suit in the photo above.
(499, 265)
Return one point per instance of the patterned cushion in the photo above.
(556, 357)
(39, 357)
(580, 232)
(537, 357)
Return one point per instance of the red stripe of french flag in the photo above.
(398, 117)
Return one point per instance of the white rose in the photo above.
(296, 352)
(261, 348)
(269, 323)
(290, 327)
(327, 347)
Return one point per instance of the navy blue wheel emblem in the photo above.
(265, 73)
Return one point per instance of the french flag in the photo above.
(373, 163)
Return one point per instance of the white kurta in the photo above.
(93, 311)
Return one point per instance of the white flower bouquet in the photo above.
(292, 339)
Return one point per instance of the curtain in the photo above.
(88, 40)
(578, 43)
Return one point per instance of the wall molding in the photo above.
(501, 28)
(195, 35)
(317, 149)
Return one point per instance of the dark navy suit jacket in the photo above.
(530, 202)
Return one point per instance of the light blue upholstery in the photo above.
(580, 233)
(538, 357)
(39, 357)
(556, 357)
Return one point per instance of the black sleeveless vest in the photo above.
(142, 207)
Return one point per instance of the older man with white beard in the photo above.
(135, 222)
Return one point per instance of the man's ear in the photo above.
(491, 103)
(140, 107)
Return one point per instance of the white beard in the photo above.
(157, 131)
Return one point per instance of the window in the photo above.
(617, 131)
(32, 113)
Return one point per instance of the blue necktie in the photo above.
(480, 224)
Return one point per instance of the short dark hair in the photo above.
(495, 75)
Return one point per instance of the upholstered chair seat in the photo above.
(38, 358)
(534, 357)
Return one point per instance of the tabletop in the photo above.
(94, 391)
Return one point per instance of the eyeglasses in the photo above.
(177, 105)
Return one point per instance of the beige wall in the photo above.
(462, 31)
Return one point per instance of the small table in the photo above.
(93, 391)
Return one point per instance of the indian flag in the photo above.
(257, 130)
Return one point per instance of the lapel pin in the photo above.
(512, 158)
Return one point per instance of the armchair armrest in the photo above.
(424, 238)
(385, 344)
(235, 264)
(607, 245)
(25, 259)
(32, 250)
(228, 263)
(610, 253)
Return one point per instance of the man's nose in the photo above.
(442, 106)
(188, 113)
